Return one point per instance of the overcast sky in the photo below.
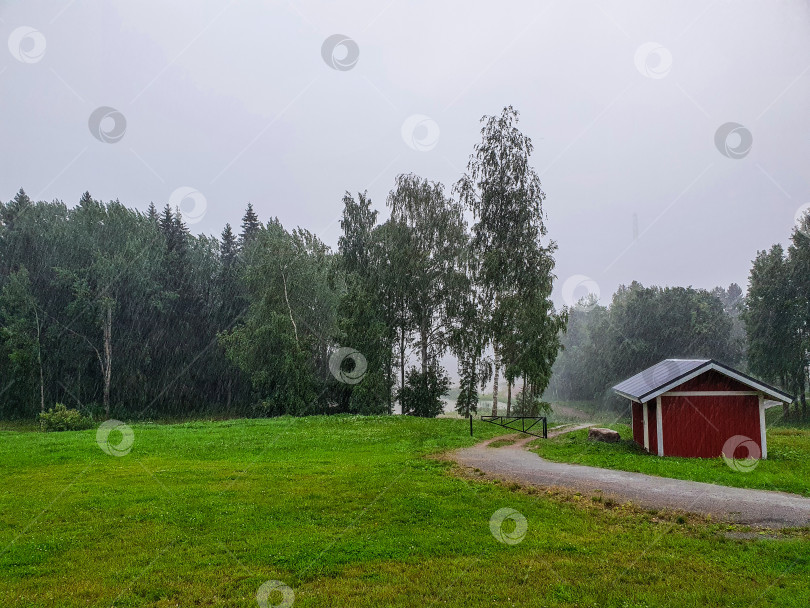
(626, 102)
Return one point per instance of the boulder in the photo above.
(597, 434)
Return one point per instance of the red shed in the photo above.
(699, 408)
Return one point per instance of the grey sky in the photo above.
(234, 100)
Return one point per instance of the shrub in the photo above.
(422, 394)
(59, 418)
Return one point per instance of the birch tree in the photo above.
(504, 194)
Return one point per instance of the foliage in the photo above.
(365, 316)
(777, 316)
(60, 418)
(283, 343)
(100, 303)
(511, 267)
(529, 403)
(423, 392)
(21, 329)
(123, 307)
(640, 327)
(435, 274)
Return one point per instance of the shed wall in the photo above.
(699, 426)
(712, 381)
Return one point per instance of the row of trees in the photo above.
(640, 327)
(126, 313)
(777, 316)
(766, 331)
(103, 306)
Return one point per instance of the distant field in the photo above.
(787, 467)
(346, 511)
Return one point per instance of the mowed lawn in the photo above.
(787, 468)
(346, 511)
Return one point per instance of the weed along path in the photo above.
(744, 506)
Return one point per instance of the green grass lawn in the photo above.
(787, 467)
(346, 511)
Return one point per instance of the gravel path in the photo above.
(753, 507)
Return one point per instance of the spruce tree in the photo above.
(250, 225)
(228, 247)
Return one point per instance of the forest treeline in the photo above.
(640, 326)
(765, 331)
(118, 312)
(122, 313)
(777, 315)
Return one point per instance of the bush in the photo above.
(59, 418)
(422, 394)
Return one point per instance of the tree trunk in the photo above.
(389, 378)
(289, 308)
(402, 371)
(804, 404)
(495, 381)
(508, 398)
(107, 359)
(424, 337)
(39, 360)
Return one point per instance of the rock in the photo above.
(597, 434)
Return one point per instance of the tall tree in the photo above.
(362, 315)
(436, 280)
(771, 322)
(22, 330)
(395, 259)
(504, 193)
(283, 344)
(250, 226)
(799, 279)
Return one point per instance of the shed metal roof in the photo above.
(670, 373)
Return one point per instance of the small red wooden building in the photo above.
(693, 407)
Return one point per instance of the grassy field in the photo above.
(345, 511)
(787, 467)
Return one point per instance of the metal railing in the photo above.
(517, 423)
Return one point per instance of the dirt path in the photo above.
(753, 507)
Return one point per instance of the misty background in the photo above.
(235, 101)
